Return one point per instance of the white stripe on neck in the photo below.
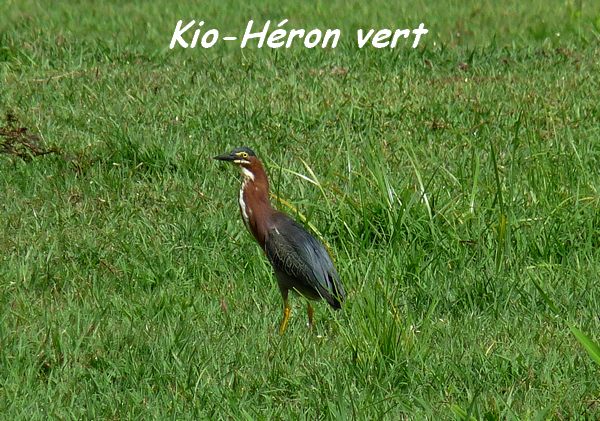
(247, 173)
(243, 206)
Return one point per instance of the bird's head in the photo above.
(244, 157)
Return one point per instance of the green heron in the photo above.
(301, 263)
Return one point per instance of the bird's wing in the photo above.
(299, 255)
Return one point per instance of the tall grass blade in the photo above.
(590, 346)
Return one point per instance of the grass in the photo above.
(456, 185)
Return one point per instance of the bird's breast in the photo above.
(255, 209)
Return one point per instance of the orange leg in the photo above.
(311, 312)
(287, 310)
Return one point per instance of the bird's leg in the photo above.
(287, 310)
(311, 312)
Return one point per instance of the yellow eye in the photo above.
(244, 154)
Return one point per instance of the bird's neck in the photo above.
(254, 201)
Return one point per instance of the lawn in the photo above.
(456, 184)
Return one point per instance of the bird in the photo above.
(300, 262)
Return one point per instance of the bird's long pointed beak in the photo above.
(225, 157)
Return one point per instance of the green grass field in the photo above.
(457, 185)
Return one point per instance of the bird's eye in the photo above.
(244, 154)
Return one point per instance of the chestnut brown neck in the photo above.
(255, 207)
